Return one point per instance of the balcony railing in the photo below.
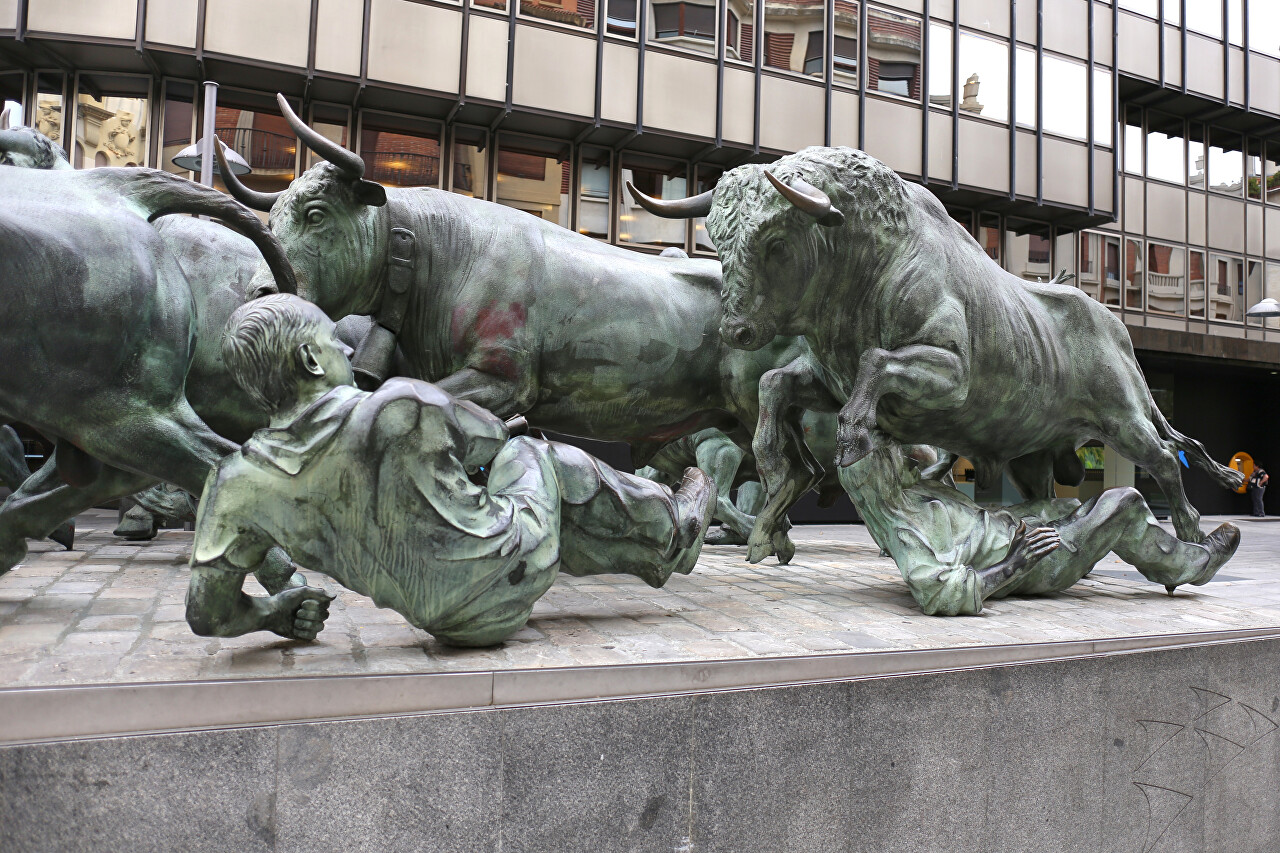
(263, 150)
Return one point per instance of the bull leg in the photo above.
(720, 457)
(1141, 444)
(14, 471)
(1032, 475)
(925, 376)
(174, 445)
(44, 502)
(786, 466)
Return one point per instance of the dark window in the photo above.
(814, 53)
(846, 54)
(684, 19)
(622, 17)
(896, 78)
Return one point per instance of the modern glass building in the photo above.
(1134, 144)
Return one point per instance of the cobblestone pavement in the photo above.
(113, 612)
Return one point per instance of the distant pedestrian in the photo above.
(1257, 486)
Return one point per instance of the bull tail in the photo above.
(1228, 478)
(155, 193)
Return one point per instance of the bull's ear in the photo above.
(371, 193)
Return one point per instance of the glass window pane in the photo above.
(571, 13)
(593, 192)
(659, 179)
(48, 112)
(893, 53)
(1226, 163)
(499, 5)
(845, 50)
(468, 169)
(1134, 267)
(1205, 16)
(400, 152)
(250, 124)
(1165, 148)
(112, 117)
(1103, 118)
(1226, 288)
(1196, 290)
(178, 124)
(1253, 287)
(1065, 91)
(1099, 267)
(688, 24)
(740, 31)
(940, 65)
(1064, 253)
(1264, 35)
(989, 235)
(1028, 252)
(533, 176)
(1196, 163)
(1166, 280)
(706, 180)
(984, 70)
(1272, 289)
(1024, 107)
(794, 36)
(332, 122)
(1142, 7)
(621, 17)
(1133, 141)
(1235, 22)
(1271, 173)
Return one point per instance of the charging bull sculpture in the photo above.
(100, 334)
(516, 314)
(922, 336)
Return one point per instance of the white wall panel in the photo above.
(173, 22)
(487, 59)
(740, 106)
(1237, 76)
(1066, 26)
(415, 45)
(618, 101)
(893, 135)
(1103, 166)
(272, 32)
(1166, 212)
(1264, 83)
(1226, 223)
(339, 27)
(104, 18)
(939, 146)
(1273, 233)
(1253, 229)
(8, 14)
(1204, 66)
(556, 71)
(990, 16)
(1025, 166)
(1172, 56)
(1138, 45)
(680, 94)
(1135, 209)
(984, 155)
(1066, 165)
(792, 114)
(1196, 225)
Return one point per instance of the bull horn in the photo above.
(329, 150)
(249, 198)
(808, 198)
(692, 207)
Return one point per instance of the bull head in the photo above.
(802, 194)
(348, 163)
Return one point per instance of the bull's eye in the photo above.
(315, 216)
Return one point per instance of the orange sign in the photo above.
(1243, 463)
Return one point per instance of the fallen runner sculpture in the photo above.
(921, 337)
(520, 315)
(419, 500)
(954, 554)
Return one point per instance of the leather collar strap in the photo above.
(401, 263)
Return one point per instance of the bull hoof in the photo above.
(138, 525)
(783, 548)
(758, 548)
(723, 536)
(65, 535)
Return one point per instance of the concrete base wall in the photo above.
(1150, 752)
